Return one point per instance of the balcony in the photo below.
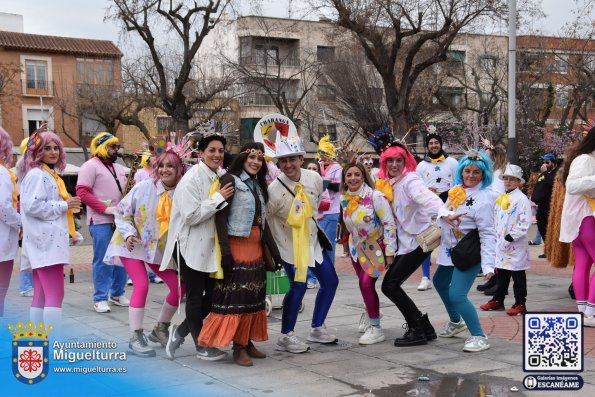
(261, 60)
(261, 100)
(37, 87)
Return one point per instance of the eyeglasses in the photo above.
(115, 147)
(368, 162)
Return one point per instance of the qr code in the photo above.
(553, 342)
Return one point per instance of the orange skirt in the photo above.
(238, 313)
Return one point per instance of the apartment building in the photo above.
(47, 73)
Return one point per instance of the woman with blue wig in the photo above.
(469, 207)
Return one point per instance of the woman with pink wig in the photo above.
(142, 222)
(10, 220)
(48, 225)
(414, 207)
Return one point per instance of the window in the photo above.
(529, 62)
(455, 55)
(560, 64)
(325, 54)
(326, 93)
(448, 97)
(164, 124)
(487, 63)
(34, 119)
(330, 129)
(561, 99)
(266, 55)
(37, 81)
(94, 71)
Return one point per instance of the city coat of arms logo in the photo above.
(30, 352)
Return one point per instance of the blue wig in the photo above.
(480, 159)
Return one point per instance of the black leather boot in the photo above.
(488, 284)
(429, 330)
(414, 335)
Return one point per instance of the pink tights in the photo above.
(138, 274)
(584, 256)
(367, 286)
(48, 283)
(5, 273)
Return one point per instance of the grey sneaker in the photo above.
(173, 342)
(364, 322)
(321, 335)
(476, 344)
(160, 334)
(451, 329)
(291, 343)
(210, 353)
(139, 346)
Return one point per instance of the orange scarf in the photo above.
(439, 159)
(65, 196)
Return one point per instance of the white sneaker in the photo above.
(372, 335)
(129, 282)
(28, 293)
(321, 335)
(102, 307)
(476, 344)
(425, 284)
(291, 343)
(364, 322)
(157, 280)
(121, 300)
(589, 321)
(450, 329)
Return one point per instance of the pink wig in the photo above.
(176, 161)
(393, 152)
(33, 157)
(5, 148)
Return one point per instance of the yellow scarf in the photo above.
(218, 274)
(65, 196)
(503, 201)
(439, 159)
(353, 203)
(457, 196)
(13, 178)
(384, 186)
(162, 213)
(590, 201)
(298, 218)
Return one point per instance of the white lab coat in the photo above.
(515, 221)
(45, 224)
(10, 220)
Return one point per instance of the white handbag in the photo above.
(429, 239)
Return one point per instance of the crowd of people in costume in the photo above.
(211, 233)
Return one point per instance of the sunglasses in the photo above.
(116, 147)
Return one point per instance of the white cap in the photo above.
(514, 171)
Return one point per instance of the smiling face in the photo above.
(212, 156)
(291, 166)
(434, 146)
(472, 175)
(395, 166)
(354, 179)
(167, 172)
(253, 163)
(51, 153)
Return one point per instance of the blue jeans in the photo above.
(453, 287)
(107, 279)
(328, 223)
(327, 277)
(425, 266)
(25, 281)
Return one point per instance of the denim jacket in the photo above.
(243, 206)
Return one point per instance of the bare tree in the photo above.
(171, 32)
(394, 33)
(9, 73)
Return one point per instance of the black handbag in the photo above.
(467, 252)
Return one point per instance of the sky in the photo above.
(58, 18)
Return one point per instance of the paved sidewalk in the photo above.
(345, 369)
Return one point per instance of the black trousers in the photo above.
(543, 212)
(199, 298)
(401, 269)
(519, 287)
